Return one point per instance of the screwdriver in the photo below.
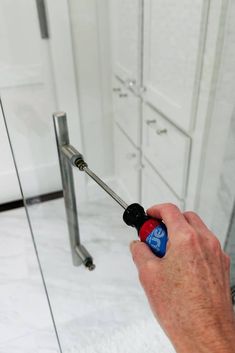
(151, 231)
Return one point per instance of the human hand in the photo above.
(188, 289)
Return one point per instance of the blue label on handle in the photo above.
(157, 240)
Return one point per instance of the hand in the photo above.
(188, 289)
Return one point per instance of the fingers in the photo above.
(227, 262)
(171, 216)
(195, 221)
(141, 253)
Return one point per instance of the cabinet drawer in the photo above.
(154, 190)
(127, 161)
(167, 148)
(127, 111)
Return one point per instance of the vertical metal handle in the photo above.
(79, 253)
(42, 17)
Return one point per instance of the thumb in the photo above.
(141, 253)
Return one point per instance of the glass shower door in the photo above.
(94, 311)
(99, 311)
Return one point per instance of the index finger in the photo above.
(171, 216)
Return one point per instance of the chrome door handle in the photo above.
(161, 131)
(151, 121)
(67, 154)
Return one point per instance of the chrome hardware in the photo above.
(143, 89)
(130, 83)
(138, 167)
(131, 155)
(150, 122)
(123, 95)
(116, 89)
(69, 156)
(161, 131)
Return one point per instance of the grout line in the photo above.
(31, 200)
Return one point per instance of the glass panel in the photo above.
(96, 310)
(26, 321)
(70, 69)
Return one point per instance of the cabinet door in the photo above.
(154, 190)
(127, 107)
(167, 148)
(127, 162)
(174, 34)
(126, 30)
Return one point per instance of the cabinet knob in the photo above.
(138, 167)
(151, 121)
(130, 83)
(116, 89)
(161, 131)
(123, 95)
(131, 155)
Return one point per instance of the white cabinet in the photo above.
(127, 109)
(174, 34)
(167, 148)
(176, 54)
(127, 160)
(154, 190)
(126, 35)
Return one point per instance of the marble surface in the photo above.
(25, 321)
(100, 311)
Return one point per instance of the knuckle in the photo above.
(215, 244)
(189, 235)
(150, 265)
(171, 206)
(146, 270)
(188, 238)
(191, 214)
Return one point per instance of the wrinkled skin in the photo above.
(188, 290)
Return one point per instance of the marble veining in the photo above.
(25, 321)
(95, 312)
(104, 310)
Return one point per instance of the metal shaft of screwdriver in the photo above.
(105, 187)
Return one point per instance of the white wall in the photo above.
(37, 78)
(28, 97)
(7, 171)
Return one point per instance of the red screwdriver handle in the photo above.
(154, 233)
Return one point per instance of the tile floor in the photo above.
(95, 312)
(25, 321)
